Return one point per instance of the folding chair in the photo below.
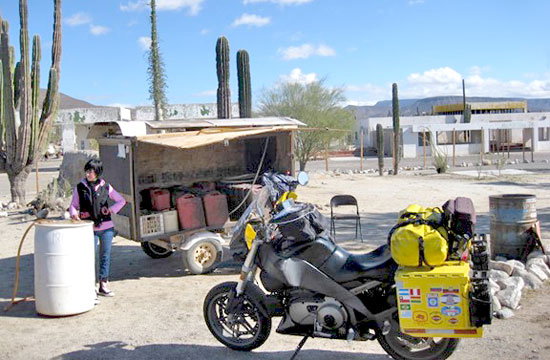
(344, 200)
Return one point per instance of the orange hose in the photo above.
(16, 286)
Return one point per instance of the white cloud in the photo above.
(99, 30)
(279, 2)
(297, 76)
(206, 93)
(251, 20)
(193, 6)
(77, 19)
(323, 50)
(447, 81)
(443, 75)
(144, 42)
(305, 51)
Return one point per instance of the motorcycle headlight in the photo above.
(249, 235)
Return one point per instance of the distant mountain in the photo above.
(411, 107)
(67, 102)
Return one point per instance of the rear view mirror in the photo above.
(303, 178)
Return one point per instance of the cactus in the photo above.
(24, 127)
(468, 114)
(155, 71)
(396, 130)
(222, 66)
(243, 74)
(380, 147)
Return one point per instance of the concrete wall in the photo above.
(74, 137)
(183, 111)
(89, 115)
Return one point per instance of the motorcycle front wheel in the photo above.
(243, 330)
(405, 347)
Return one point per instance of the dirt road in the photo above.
(157, 311)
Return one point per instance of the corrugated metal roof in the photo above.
(193, 139)
(140, 128)
(236, 122)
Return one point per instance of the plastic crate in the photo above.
(150, 225)
(435, 302)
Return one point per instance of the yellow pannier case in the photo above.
(419, 238)
(434, 302)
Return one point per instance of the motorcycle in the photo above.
(316, 287)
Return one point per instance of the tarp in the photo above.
(193, 139)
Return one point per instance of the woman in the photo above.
(90, 202)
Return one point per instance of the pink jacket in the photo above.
(74, 209)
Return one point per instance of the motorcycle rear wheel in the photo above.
(242, 331)
(405, 347)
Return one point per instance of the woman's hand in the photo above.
(75, 217)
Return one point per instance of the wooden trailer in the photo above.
(138, 156)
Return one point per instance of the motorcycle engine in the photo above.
(323, 312)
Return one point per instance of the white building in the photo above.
(493, 131)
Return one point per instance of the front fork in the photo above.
(248, 271)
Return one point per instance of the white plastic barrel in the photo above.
(64, 268)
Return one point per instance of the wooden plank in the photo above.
(136, 233)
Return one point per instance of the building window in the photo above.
(421, 139)
(461, 137)
(544, 134)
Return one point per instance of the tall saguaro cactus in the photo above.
(380, 148)
(222, 67)
(396, 129)
(24, 126)
(157, 76)
(243, 74)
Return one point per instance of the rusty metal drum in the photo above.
(511, 216)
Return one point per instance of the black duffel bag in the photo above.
(298, 224)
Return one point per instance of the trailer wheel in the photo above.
(155, 251)
(201, 257)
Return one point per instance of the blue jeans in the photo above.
(103, 241)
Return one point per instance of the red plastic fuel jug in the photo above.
(160, 199)
(215, 208)
(190, 212)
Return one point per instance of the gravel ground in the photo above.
(157, 310)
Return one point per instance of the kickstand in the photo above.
(302, 342)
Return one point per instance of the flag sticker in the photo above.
(433, 300)
(416, 296)
(438, 289)
(405, 306)
(451, 290)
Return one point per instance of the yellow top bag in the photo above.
(420, 237)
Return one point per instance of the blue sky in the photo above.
(501, 48)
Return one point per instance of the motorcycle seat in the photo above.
(343, 266)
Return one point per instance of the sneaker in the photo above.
(104, 290)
